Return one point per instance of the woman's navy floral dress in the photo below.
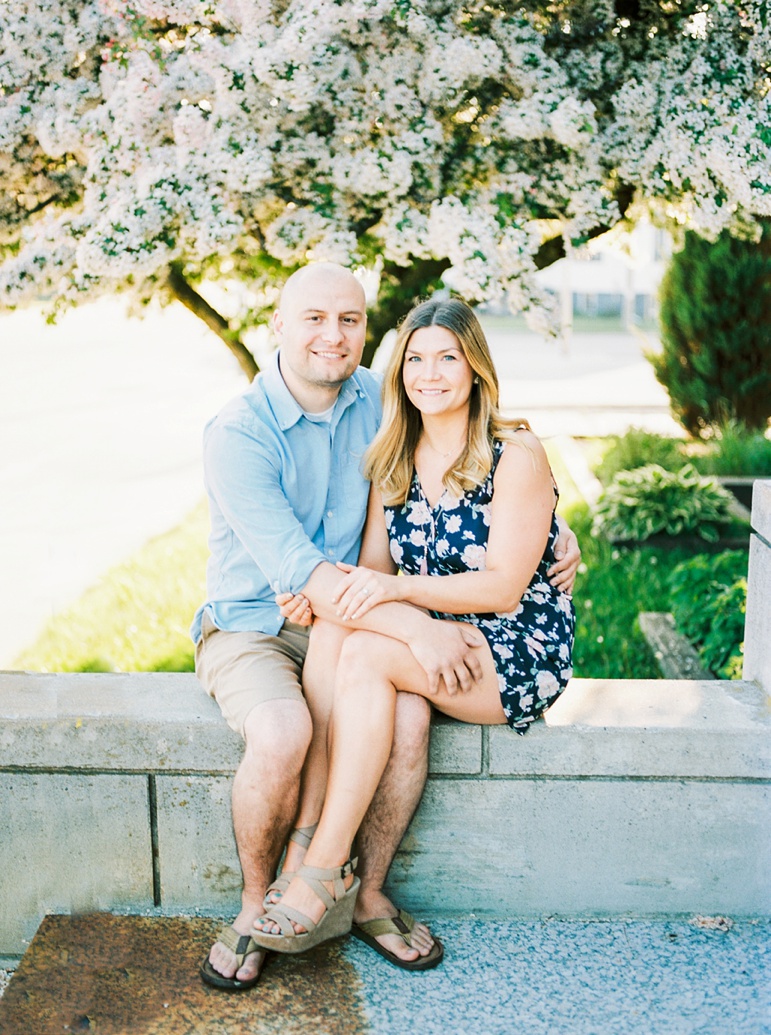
(532, 645)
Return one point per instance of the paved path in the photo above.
(120, 975)
(101, 419)
(100, 424)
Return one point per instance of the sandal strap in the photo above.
(400, 924)
(284, 915)
(314, 875)
(303, 835)
(241, 945)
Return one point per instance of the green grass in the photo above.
(136, 618)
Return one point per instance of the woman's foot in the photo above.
(373, 905)
(296, 847)
(317, 905)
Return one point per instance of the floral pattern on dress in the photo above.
(531, 646)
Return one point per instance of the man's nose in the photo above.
(331, 332)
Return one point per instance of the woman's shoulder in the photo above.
(521, 450)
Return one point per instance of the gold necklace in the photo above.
(450, 452)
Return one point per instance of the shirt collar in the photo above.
(284, 405)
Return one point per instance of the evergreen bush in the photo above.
(715, 314)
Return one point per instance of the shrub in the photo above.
(738, 451)
(708, 598)
(715, 316)
(639, 448)
(639, 504)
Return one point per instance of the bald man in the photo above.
(287, 501)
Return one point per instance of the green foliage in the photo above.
(639, 448)
(709, 600)
(612, 587)
(734, 450)
(716, 332)
(639, 504)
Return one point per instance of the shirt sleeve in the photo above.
(243, 479)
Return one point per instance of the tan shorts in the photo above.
(243, 669)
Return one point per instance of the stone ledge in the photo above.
(675, 655)
(165, 723)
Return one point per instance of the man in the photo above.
(287, 501)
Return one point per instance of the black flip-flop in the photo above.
(240, 944)
(402, 925)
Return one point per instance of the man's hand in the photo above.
(295, 608)
(567, 553)
(444, 651)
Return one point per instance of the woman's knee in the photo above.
(363, 654)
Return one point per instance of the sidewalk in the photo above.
(137, 976)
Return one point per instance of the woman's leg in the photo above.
(325, 644)
(370, 671)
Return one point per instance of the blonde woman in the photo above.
(461, 524)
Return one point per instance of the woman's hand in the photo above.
(295, 608)
(567, 553)
(361, 590)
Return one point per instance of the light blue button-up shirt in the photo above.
(285, 493)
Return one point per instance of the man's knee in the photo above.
(278, 734)
(412, 723)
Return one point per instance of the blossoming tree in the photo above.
(163, 146)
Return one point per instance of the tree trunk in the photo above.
(400, 288)
(184, 292)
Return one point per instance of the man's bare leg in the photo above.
(387, 819)
(265, 793)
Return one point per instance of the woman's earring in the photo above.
(476, 380)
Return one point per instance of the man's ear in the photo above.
(278, 323)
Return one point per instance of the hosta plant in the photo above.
(650, 500)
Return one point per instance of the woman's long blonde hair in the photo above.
(388, 463)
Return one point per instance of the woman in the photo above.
(462, 503)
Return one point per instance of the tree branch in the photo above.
(185, 293)
(554, 249)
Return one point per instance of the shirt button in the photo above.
(331, 553)
(330, 513)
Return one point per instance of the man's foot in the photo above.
(394, 934)
(235, 963)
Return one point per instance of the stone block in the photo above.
(644, 728)
(675, 655)
(757, 629)
(761, 509)
(71, 843)
(582, 848)
(456, 747)
(197, 856)
(118, 721)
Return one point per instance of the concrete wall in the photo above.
(632, 798)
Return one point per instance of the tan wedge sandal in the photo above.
(336, 921)
(301, 836)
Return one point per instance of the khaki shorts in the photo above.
(243, 669)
